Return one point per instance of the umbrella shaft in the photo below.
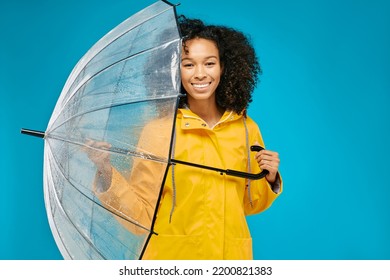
(198, 165)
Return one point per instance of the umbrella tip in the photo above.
(31, 132)
(169, 3)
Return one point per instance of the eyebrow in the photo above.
(208, 57)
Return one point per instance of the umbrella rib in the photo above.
(49, 210)
(115, 150)
(66, 214)
(107, 107)
(112, 41)
(96, 203)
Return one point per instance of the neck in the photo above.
(211, 113)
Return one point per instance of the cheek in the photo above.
(185, 86)
(184, 75)
(184, 81)
(217, 76)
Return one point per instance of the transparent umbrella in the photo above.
(124, 92)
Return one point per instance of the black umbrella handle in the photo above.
(229, 172)
(251, 176)
(247, 175)
(256, 148)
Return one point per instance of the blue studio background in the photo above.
(322, 104)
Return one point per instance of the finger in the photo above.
(98, 145)
(270, 160)
(269, 155)
(270, 168)
(271, 171)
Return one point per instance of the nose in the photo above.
(200, 73)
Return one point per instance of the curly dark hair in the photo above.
(241, 67)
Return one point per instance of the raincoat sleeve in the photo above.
(259, 194)
(135, 201)
(135, 196)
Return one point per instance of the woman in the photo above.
(201, 213)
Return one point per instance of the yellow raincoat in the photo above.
(201, 213)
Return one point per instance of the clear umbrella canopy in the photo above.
(125, 81)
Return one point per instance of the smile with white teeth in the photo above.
(200, 85)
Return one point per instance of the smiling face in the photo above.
(200, 70)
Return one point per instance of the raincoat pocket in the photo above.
(174, 247)
(238, 249)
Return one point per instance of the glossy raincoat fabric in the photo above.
(201, 214)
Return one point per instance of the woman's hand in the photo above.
(98, 153)
(268, 160)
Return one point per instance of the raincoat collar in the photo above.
(190, 120)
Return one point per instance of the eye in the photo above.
(188, 65)
(210, 63)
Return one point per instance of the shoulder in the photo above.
(254, 131)
(251, 124)
(158, 127)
